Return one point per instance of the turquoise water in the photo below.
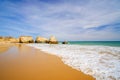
(104, 43)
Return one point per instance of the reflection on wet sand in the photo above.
(25, 63)
(4, 48)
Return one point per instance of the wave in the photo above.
(102, 62)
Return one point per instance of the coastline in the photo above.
(21, 62)
(101, 62)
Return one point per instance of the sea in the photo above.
(103, 43)
(100, 59)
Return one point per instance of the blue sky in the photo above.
(66, 19)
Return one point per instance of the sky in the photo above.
(84, 20)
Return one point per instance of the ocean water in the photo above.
(104, 43)
(100, 61)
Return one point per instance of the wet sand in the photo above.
(4, 48)
(21, 62)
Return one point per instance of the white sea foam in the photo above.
(102, 62)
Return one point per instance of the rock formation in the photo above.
(1, 39)
(26, 39)
(8, 39)
(53, 40)
(64, 42)
(41, 40)
(14, 40)
(29, 39)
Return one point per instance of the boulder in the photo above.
(41, 40)
(64, 42)
(53, 40)
(26, 39)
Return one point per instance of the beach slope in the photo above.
(21, 62)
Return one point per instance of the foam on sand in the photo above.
(102, 62)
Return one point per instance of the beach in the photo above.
(59, 39)
(100, 61)
(21, 62)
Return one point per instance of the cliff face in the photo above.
(26, 39)
(9, 39)
(1, 39)
(14, 40)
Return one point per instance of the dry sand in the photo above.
(25, 63)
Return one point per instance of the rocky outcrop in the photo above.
(26, 39)
(29, 39)
(1, 39)
(14, 40)
(7, 39)
(64, 42)
(41, 40)
(53, 40)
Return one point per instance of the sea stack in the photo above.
(26, 39)
(53, 40)
(41, 40)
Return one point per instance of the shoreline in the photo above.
(102, 62)
(28, 63)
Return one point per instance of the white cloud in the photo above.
(70, 19)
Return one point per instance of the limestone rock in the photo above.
(1, 39)
(41, 40)
(5, 39)
(14, 40)
(26, 39)
(53, 40)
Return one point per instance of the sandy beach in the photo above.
(20, 62)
